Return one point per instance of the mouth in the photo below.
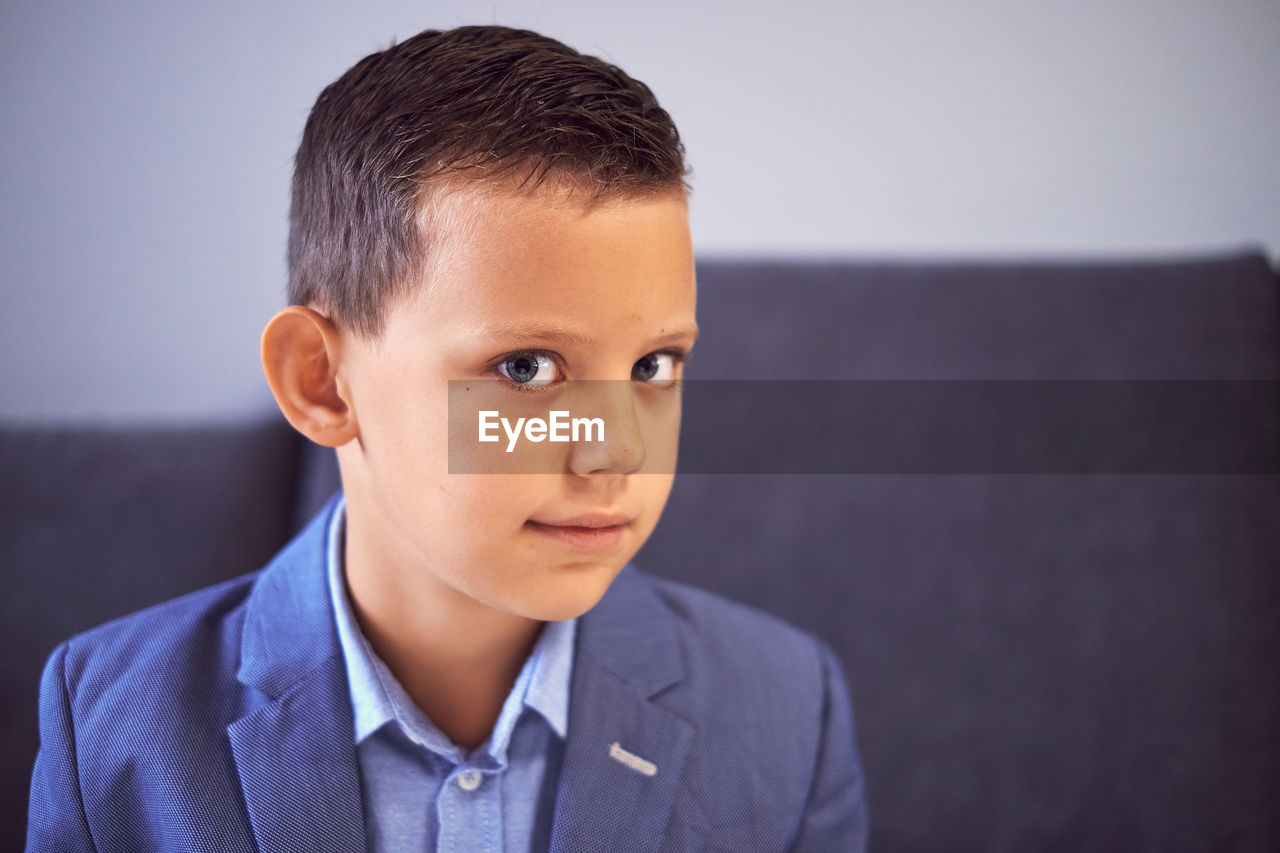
(591, 532)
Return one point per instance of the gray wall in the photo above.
(146, 145)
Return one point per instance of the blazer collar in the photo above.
(632, 633)
(295, 752)
(625, 752)
(288, 627)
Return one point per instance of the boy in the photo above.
(463, 661)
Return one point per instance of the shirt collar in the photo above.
(377, 697)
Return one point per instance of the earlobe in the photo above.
(301, 351)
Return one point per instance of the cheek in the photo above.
(464, 526)
(496, 504)
(403, 423)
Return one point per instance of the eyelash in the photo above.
(679, 357)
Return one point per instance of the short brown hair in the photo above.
(485, 101)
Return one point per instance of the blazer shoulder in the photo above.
(712, 613)
(735, 640)
(191, 632)
(203, 629)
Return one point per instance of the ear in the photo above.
(301, 353)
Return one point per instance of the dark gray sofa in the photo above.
(1038, 662)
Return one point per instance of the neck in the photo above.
(456, 657)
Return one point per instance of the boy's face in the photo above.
(523, 286)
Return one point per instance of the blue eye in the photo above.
(657, 368)
(528, 368)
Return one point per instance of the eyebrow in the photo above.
(690, 334)
(527, 331)
(550, 333)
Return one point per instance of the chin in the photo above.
(570, 595)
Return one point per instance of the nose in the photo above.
(622, 448)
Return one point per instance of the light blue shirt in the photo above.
(422, 791)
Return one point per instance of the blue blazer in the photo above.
(221, 721)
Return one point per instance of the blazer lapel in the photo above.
(624, 754)
(295, 752)
(297, 764)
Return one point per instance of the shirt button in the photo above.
(469, 780)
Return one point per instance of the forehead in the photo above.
(554, 223)
(548, 259)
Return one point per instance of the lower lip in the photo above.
(581, 538)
